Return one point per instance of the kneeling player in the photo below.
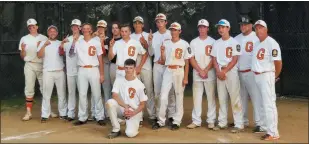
(128, 101)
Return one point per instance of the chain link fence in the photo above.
(287, 23)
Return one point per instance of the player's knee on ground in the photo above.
(111, 103)
(131, 133)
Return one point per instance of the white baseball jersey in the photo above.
(147, 64)
(176, 53)
(131, 92)
(264, 53)
(88, 52)
(71, 59)
(52, 60)
(201, 50)
(247, 44)
(31, 43)
(224, 50)
(157, 41)
(99, 40)
(127, 50)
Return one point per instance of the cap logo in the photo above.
(174, 26)
(75, 21)
(160, 16)
(101, 23)
(221, 23)
(202, 21)
(243, 19)
(29, 21)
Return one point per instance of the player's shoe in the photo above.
(192, 126)
(63, 117)
(77, 123)
(258, 129)
(91, 118)
(174, 127)
(153, 121)
(70, 119)
(237, 130)
(268, 137)
(170, 121)
(211, 125)
(27, 117)
(216, 128)
(53, 115)
(101, 122)
(44, 120)
(156, 126)
(233, 125)
(113, 135)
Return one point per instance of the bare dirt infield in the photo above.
(293, 127)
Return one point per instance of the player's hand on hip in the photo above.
(23, 46)
(150, 36)
(138, 70)
(184, 82)
(101, 78)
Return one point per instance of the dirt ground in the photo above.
(293, 128)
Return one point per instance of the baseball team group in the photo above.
(138, 70)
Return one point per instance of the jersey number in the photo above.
(228, 52)
(178, 53)
(132, 92)
(260, 54)
(91, 50)
(249, 46)
(131, 51)
(208, 50)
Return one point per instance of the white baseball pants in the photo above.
(72, 84)
(198, 90)
(266, 85)
(248, 88)
(32, 72)
(49, 79)
(230, 87)
(90, 76)
(115, 111)
(171, 78)
(146, 77)
(158, 71)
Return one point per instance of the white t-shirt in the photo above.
(127, 50)
(31, 43)
(52, 60)
(71, 59)
(147, 64)
(131, 92)
(247, 44)
(176, 53)
(264, 55)
(88, 52)
(105, 58)
(224, 50)
(201, 50)
(157, 41)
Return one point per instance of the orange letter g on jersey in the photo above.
(132, 92)
(91, 51)
(260, 54)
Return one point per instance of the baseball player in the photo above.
(126, 48)
(204, 76)
(100, 36)
(110, 41)
(225, 53)
(155, 41)
(52, 74)
(267, 65)
(129, 100)
(176, 54)
(91, 71)
(71, 66)
(146, 72)
(33, 65)
(247, 40)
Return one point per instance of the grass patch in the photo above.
(13, 103)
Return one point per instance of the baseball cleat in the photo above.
(53, 115)
(113, 135)
(70, 119)
(101, 122)
(174, 127)
(237, 130)
(170, 121)
(152, 121)
(156, 126)
(44, 120)
(211, 125)
(27, 117)
(63, 117)
(77, 123)
(258, 129)
(216, 128)
(268, 137)
(233, 125)
(192, 126)
(91, 118)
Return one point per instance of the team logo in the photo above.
(178, 53)
(202, 21)
(275, 53)
(249, 47)
(75, 21)
(131, 51)
(29, 21)
(260, 54)
(238, 48)
(189, 50)
(91, 51)
(228, 52)
(208, 49)
(243, 19)
(132, 92)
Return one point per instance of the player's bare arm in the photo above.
(101, 68)
(119, 101)
(197, 67)
(278, 67)
(42, 50)
(140, 108)
(208, 68)
(162, 50)
(144, 42)
(230, 65)
(185, 78)
(140, 66)
(216, 65)
(111, 54)
(150, 48)
(23, 51)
